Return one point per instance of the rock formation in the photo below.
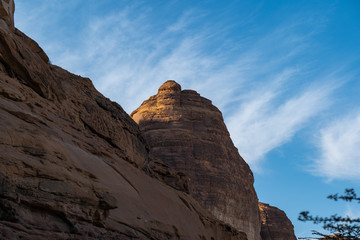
(74, 165)
(7, 8)
(188, 133)
(274, 224)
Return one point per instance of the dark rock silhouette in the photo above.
(274, 224)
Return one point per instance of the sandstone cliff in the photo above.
(274, 224)
(188, 133)
(74, 165)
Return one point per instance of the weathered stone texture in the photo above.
(7, 9)
(74, 165)
(188, 133)
(275, 225)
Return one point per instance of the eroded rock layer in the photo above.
(7, 8)
(188, 133)
(74, 165)
(275, 225)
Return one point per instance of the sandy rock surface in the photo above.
(74, 165)
(275, 225)
(7, 8)
(188, 133)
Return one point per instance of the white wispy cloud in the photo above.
(261, 124)
(127, 53)
(124, 50)
(339, 149)
(256, 80)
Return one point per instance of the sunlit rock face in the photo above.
(188, 133)
(275, 225)
(74, 165)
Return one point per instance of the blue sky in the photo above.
(285, 74)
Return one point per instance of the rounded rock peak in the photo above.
(170, 85)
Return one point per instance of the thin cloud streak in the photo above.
(128, 57)
(127, 52)
(137, 60)
(339, 149)
(260, 125)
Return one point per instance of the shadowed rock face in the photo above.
(275, 225)
(7, 8)
(74, 165)
(188, 133)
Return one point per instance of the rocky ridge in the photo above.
(74, 165)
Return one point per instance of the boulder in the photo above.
(275, 225)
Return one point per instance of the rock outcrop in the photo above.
(7, 9)
(275, 225)
(74, 165)
(188, 133)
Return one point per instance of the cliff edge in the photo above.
(74, 165)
